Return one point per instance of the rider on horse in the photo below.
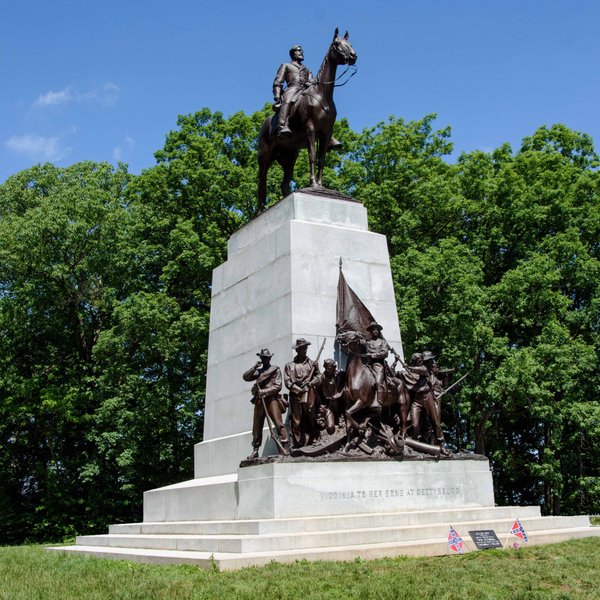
(377, 352)
(297, 78)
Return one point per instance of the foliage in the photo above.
(559, 571)
(105, 288)
(495, 261)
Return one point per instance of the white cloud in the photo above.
(38, 147)
(106, 95)
(126, 145)
(54, 98)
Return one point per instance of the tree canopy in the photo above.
(105, 284)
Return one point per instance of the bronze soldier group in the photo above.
(319, 402)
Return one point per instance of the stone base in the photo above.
(286, 510)
(284, 488)
(302, 489)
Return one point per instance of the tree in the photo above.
(62, 265)
(105, 291)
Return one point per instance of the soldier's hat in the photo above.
(374, 325)
(428, 355)
(264, 352)
(299, 343)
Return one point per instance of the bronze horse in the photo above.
(311, 121)
(359, 391)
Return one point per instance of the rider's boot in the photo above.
(284, 129)
(334, 144)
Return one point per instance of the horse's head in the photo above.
(351, 341)
(341, 50)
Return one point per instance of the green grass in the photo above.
(568, 570)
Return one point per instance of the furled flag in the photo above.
(352, 314)
(517, 529)
(455, 542)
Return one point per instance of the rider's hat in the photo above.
(428, 355)
(264, 352)
(374, 325)
(299, 343)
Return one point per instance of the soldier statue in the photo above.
(327, 386)
(266, 397)
(424, 400)
(298, 375)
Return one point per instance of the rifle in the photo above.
(274, 435)
(315, 364)
(454, 385)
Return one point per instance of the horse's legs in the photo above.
(287, 162)
(321, 152)
(264, 162)
(310, 146)
(358, 405)
(404, 400)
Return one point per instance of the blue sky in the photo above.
(105, 81)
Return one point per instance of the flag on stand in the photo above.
(455, 542)
(517, 529)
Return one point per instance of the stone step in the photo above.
(206, 498)
(315, 539)
(260, 526)
(229, 561)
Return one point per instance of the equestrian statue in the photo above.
(304, 118)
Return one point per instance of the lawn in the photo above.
(568, 570)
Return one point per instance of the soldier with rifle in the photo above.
(268, 403)
(424, 401)
(298, 375)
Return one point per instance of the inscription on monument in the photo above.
(388, 493)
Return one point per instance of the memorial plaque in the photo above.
(485, 539)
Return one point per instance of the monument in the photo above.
(361, 469)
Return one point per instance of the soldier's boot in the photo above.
(284, 441)
(254, 454)
(284, 129)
